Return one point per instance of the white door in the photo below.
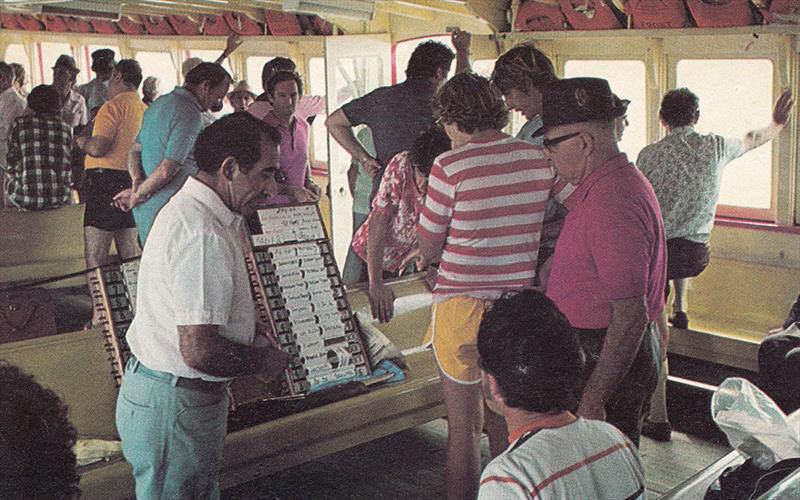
(355, 65)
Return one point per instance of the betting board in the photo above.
(113, 289)
(299, 291)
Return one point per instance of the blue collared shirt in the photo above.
(169, 129)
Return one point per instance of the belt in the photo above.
(195, 384)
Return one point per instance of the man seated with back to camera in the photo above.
(532, 372)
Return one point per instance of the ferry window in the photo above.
(15, 53)
(627, 80)
(483, 67)
(48, 53)
(87, 72)
(158, 64)
(254, 66)
(354, 76)
(403, 50)
(735, 97)
(211, 56)
(316, 86)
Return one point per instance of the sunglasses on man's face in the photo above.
(552, 143)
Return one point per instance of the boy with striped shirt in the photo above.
(482, 221)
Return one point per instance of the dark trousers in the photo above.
(627, 406)
(779, 367)
(685, 259)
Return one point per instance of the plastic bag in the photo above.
(754, 424)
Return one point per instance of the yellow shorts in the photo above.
(453, 333)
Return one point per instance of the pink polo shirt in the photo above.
(294, 154)
(611, 247)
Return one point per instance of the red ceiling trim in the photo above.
(273, 23)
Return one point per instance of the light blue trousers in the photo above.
(172, 436)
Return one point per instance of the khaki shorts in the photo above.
(453, 333)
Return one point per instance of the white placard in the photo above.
(289, 224)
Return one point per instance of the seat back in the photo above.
(75, 366)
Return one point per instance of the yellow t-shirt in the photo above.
(119, 120)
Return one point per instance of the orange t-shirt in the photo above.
(119, 120)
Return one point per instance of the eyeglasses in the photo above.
(277, 174)
(551, 143)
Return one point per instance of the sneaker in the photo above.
(680, 320)
(660, 431)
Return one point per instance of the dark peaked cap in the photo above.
(102, 58)
(578, 100)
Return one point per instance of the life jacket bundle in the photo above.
(183, 25)
(781, 11)
(282, 23)
(157, 25)
(590, 14)
(720, 13)
(242, 24)
(213, 25)
(657, 14)
(536, 15)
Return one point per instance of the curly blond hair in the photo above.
(469, 101)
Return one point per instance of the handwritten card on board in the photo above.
(289, 224)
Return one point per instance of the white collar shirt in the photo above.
(192, 272)
(11, 106)
(73, 112)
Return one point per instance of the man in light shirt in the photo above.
(11, 106)
(195, 328)
(532, 368)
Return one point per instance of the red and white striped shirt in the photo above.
(585, 459)
(485, 206)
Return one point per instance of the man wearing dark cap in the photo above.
(39, 150)
(96, 91)
(161, 158)
(609, 266)
(73, 105)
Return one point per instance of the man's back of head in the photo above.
(679, 108)
(427, 59)
(6, 76)
(36, 440)
(44, 99)
(130, 71)
(532, 352)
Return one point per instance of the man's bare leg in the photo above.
(96, 244)
(127, 242)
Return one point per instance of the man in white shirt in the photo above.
(73, 105)
(194, 328)
(532, 372)
(11, 106)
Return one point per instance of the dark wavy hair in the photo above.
(520, 66)
(278, 63)
(131, 72)
(471, 103)
(427, 147)
(238, 135)
(213, 73)
(679, 108)
(36, 440)
(533, 353)
(283, 76)
(427, 58)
